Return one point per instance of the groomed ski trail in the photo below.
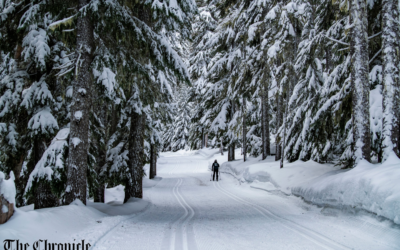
(310, 235)
(179, 238)
(189, 212)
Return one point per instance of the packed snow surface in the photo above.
(252, 207)
(371, 187)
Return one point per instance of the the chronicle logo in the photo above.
(44, 245)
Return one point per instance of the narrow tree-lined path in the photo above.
(188, 211)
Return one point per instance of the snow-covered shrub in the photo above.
(7, 187)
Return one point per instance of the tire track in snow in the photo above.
(305, 232)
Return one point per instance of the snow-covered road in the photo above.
(188, 211)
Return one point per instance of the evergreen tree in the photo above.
(309, 56)
(203, 28)
(77, 110)
(182, 121)
(29, 89)
(76, 69)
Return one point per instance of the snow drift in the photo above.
(371, 187)
(67, 223)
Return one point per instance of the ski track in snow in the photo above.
(111, 229)
(179, 237)
(306, 233)
(188, 212)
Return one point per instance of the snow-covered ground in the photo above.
(250, 208)
(371, 187)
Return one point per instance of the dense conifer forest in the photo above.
(92, 90)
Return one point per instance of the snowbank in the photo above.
(371, 187)
(115, 195)
(55, 224)
(75, 221)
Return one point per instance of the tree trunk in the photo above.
(155, 164)
(231, 152)
(101, 151)
(244, 130)
(202, 138)
(284, 133)
(128, 188)
(114, 120)
(134, 187)
(151, 174)
(139, 185)
(99, 195)
(79, 125)
(265, 122)
(391, 81)
(231, 147)
(18, 160)
(360, 81)
(20, 181)
(153, 161)
(279, 102)
(100, 162)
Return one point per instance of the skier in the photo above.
(215, 167)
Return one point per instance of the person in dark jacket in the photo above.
(215, 167)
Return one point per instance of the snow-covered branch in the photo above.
(70, 30)
(377, 34)
(344, 49)
(65, 72)
(337, 41)
(373, 58)
(65, 21)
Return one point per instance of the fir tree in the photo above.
(182, 121)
